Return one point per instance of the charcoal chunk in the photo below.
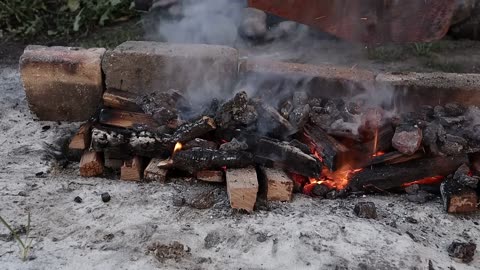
(463, 251)
(365, 210)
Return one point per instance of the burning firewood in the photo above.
(287, 156)
(149, 144)
(190, 131)
(197, 142)
(113, 141)
(162, 106)
(198, 159)
(269, 119)
(91, 164)
(132, 170)
(121, 100)
(393, 176)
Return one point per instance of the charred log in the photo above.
(128, 120)
(161, 105)
(198, 159)
(236, 112)
(190, 131)
(197, 142)
(393, 176)
(288, 156)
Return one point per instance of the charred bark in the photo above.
(394, 176)
(190, 131)
(198, 159)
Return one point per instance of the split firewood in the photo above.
(154, 173)
(242, 188)
(81, 140)
(211, 176)
(126, 119)
(190, 131)
(407, 139)
(198, 159)
(287, 156)
(279, 185)
(394, 176)
(332, 152)
(132, 170)
(458, 198)
(121, 100)
(91, 164)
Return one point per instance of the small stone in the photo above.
(78, 199)
(45, 128)
(40, 175)
(178, 201)
(212, 239)
(202, 201)
(407, 139)
(262, 237)
(462, 251)
(22, 193)
(106, 197)
(365, 210)
(411, 220)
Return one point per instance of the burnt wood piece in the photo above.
(463, 177)
(121, 100)
(129, 120)
(154, 173)
(404, 158)
(91, 164)
(132, 170)
(365, 210)
(190, 131)
(148, 144)
(299, 117)
(112, 162)
(81, 140)
(111, 140)
(385, 158)
(237, 112)
(272, 122)
(198, 159)
(332, 152)
(287, 156)
(458, 198)
(161, 105)
(394, 176)
(197, 142)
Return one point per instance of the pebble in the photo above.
(78, 199)
(106, 197)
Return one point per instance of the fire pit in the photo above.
(277, 134)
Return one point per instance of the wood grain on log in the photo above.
(91, 164)
(81, 140)
(132, 170)
(121, 100)
(211, 176)
(279, 185)
(125, 119)
(242, 188)
(154, 173)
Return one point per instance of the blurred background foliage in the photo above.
(37, 19)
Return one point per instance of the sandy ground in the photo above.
(305, 234)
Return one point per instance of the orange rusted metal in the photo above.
(368, 21)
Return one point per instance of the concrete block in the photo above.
(141, 67)
(62, 83)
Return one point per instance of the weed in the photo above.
(422, 49)
(25, 245)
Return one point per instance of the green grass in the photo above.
(26, 244)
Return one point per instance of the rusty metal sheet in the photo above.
(368, 21)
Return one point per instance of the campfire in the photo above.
(321, 147)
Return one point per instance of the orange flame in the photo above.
(425, 181)
(177, 148)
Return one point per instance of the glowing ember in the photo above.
(378, 154)
(426, 181)
(177, 148)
